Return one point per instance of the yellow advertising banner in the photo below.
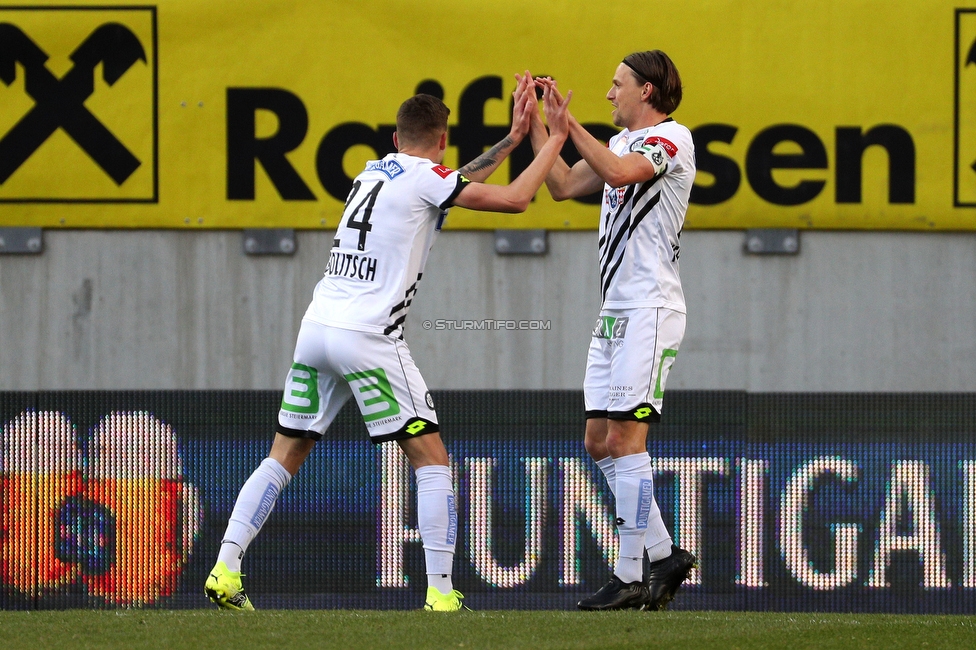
(828, 114)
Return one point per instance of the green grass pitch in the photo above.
(197, 629)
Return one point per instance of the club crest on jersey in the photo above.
(391, 168)
(614, 196)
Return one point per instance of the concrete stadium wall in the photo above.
(853, 311)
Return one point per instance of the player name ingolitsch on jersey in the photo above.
(348, 265)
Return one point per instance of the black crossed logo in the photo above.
(59, 103)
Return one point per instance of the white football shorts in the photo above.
(331, 364)
(627, 365)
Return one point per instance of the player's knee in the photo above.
(596, 448)
(624, 441)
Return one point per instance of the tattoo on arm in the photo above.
(488, 158)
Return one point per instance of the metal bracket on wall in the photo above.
(21, 241)
(521, 242)
(269, 241)
(772, 241)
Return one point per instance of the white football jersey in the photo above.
(395, 209)
(640, 224)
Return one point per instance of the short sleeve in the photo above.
(660, 151)
(440, 185)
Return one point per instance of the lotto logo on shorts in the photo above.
(416, 427)
(610, 327)
(642, 413)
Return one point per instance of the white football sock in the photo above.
(438, 523)
(254, 503)
(635, 494)
(607, 467)
(657, 540)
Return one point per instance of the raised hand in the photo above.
(524, 106)
(556, 109)
(525, 111)
(550, 83)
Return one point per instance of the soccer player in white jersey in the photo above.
(645, 173)
(351, 339)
